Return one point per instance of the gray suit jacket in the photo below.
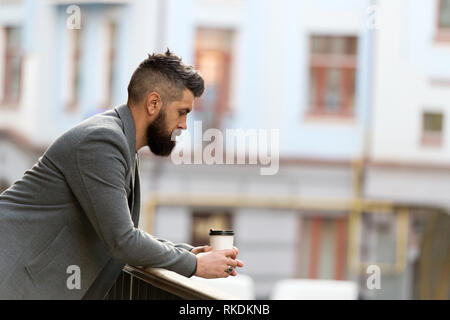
(79, 206)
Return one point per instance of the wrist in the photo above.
(194, 273)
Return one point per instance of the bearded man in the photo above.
(79, 205)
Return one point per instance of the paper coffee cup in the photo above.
(221, 239)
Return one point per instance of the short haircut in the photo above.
(165, 74)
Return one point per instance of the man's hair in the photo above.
(165, 74)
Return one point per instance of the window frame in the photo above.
(111, 28)
(429, 138)
(347, 64)
(8, 54)
(74, 38)
(442, 34)
(222, 104)
(310, 239)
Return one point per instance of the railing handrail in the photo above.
(177, 284)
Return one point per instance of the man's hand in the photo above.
(213, 264)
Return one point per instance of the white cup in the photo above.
(220, 239)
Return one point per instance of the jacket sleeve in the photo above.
(185, 246)
(98, 183)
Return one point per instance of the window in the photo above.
(202, 221)
(12, 66)
(111, 33)
(332, 75)
(322, 248)
(379, 230)
(443, 20)
(432, 128)
(74, 74)
(213, 60)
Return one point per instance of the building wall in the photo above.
(410, 78)
(327, 138)
(408, 59)
(420, 186)
(269, 71)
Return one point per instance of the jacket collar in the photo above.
(128, 126)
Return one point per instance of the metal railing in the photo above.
(159, 284)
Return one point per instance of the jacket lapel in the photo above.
(128, 127)
(130, 133)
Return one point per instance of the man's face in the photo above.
(171, 117)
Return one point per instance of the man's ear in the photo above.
(153, 103)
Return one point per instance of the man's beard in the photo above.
(158, 138)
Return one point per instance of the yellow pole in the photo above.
(402, 239)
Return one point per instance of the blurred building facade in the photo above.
(359, 91)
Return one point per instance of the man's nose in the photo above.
(182, 125)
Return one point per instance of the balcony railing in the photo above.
(160, 284)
